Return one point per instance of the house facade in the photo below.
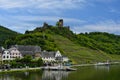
(33, 51)
(52, 56)
(6, 55)
(48, 56)
(19, 51)
(14, 53)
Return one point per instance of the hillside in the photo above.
(106, 42)
(80, 48)
(6, 33)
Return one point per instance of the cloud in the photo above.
(47, 18)
(105, 1)
(102, 26)
(42, 4)
(112, 10)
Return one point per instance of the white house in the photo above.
(53, 56)
(22, 50)
(58, 54)
(6, 55)
(19, 51)
(14, 53)
(48, 56)
(10, 54)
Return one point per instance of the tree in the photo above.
(27, 59)
(39, 62)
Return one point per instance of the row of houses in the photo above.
(20, 51)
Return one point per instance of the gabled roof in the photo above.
(13, 48)
(28, 50)
(47, 54)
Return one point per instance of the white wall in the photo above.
(58, 54)
(6, 55)
(48, 59)
(65, 59)
(14, 53)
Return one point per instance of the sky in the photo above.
(81, 15)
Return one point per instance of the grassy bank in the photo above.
(20, 70)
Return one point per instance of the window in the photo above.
(3, 56)
(7, 56)
(7, 52)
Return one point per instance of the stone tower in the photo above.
(60, 23)
(45, 25)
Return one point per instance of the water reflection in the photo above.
(33, 75)
(105, 68)
(111, 72)
(26, 73)
(5, 77)
(39, 75)
(55, 75)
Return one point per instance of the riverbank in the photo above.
(39, 68)
(19, 70)
(96, 64)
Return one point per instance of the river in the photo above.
(83, 73)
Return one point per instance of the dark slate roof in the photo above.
(13, 48)
(28, 50)
(48, 54)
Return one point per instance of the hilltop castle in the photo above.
(59, 23)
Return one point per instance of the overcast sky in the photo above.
(80, 15)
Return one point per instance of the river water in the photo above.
(83, 73)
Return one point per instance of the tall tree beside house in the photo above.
(39, 62)
(27, 59)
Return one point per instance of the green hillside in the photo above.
(80, 48)
(79, 53)
(6, 33)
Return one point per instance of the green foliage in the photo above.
(43, 40)
(80, 48)
(6, 33)
(26, 61)
(39, 62)
(106, 42)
